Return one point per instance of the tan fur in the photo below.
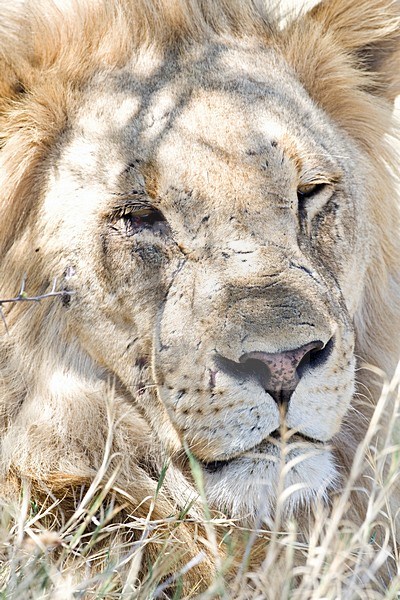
(88, 88)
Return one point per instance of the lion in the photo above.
(215, 192)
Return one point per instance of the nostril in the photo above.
(315, 357)
(258, 369)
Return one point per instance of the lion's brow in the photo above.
(133, 200)
(315, 175)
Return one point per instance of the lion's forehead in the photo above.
(210, 119)
(201, 139)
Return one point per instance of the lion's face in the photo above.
(216, 222)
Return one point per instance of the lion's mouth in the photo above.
(275, 438)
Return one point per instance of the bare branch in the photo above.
(26, 298)
(23, 297)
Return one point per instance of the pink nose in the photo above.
(280, 373)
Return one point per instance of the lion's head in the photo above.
(216, 196)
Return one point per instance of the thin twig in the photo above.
(22, 296)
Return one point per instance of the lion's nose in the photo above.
(280, 373)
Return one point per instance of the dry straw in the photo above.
(46, 557)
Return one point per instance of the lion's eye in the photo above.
(137, 220)
(310, 190)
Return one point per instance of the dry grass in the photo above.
(43, 556)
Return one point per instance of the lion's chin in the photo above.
(250, 487)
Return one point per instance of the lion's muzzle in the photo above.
(251, 347)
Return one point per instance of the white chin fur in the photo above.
(247, 487)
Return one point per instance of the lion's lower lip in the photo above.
(216, 465)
